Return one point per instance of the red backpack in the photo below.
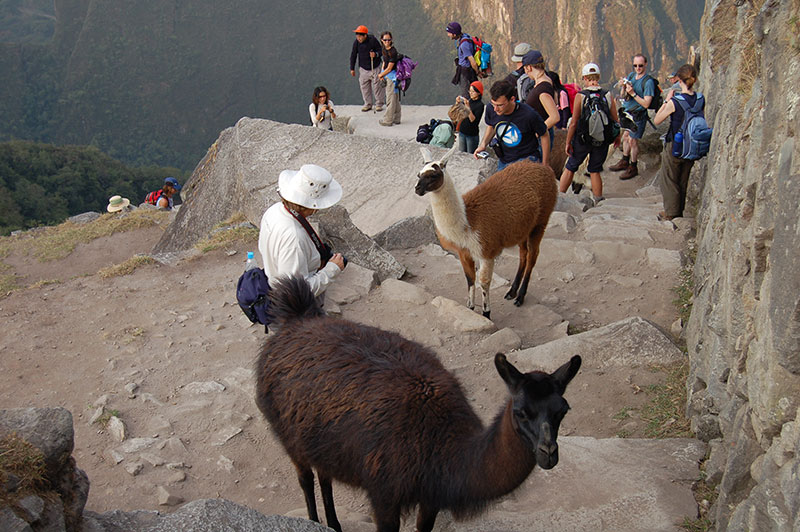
(152, 197)
(572, 89)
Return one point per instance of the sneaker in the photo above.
(366, 108)
(597, 200)
(378, 108)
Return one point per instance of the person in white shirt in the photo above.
(321, 109)
(287, 247)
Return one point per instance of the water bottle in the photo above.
(251, 262)
(677, 144)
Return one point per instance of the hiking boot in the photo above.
(621, 165)
(389, 124)
(631, 172)
(366, 108)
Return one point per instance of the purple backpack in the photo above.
(404, 68)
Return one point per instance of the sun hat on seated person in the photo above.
(312, 187)
(117, 203)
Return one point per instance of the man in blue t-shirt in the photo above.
(638, 88)
(466, 67)
(515, 126)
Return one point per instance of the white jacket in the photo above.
(287, 250)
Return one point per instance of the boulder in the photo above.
(239, 173)
(198, 516)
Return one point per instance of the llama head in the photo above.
(538, 405)
(431, 177)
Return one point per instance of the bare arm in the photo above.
(487, 136)
(573, 124)
(552, 110)
(666, 109)
(545, 141)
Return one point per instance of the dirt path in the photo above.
(168, 351)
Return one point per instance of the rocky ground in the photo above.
(166, 350)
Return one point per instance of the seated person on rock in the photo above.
(288, 244)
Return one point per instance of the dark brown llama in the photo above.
(372, 409)
(511, 208)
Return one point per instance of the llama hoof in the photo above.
(518, 302)
(486, 314)
(510, 295)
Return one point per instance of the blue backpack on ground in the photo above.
(252, 294)
(695, 130)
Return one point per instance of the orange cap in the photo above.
(361, 29)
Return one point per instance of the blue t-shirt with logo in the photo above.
(519, 131)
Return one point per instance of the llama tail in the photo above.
(291, 299)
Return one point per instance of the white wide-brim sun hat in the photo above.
(117, 203)
(312, 187)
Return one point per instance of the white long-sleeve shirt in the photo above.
(325, 123)
(287, 250)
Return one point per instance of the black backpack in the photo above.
(595, 126)
(425, 131)
(658, 98)
(252, 294)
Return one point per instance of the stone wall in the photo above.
(744, 333)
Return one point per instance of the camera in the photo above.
(482, 154)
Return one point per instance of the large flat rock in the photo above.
(609, 484)
(240, 174)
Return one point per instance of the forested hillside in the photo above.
(42, 184)
(154, 82)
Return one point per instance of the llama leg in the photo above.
(485, 282)
(468, 265)
(523, 257)
(327, 501)
(426, 517)
(387, 517)
(534, 240)
(306, 478)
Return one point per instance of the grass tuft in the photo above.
(127, 267)
(229, 232)
(665, 412)
(23, 462)
(58, 241)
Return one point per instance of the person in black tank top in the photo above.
(675, 171)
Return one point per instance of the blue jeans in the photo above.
(534, 158)
(468, 143)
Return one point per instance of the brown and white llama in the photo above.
(511, 208)
(374, 410)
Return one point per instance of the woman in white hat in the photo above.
(288, 244)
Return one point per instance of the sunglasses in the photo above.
(637, 66)
(386, 40)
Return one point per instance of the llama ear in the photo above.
(565, 373)
(447, 155)
(426, 155)
(508, 372)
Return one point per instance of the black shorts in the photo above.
(597, 156)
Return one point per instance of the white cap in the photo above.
(312, 187)
(590, 68)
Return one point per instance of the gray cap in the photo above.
(520, 50)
